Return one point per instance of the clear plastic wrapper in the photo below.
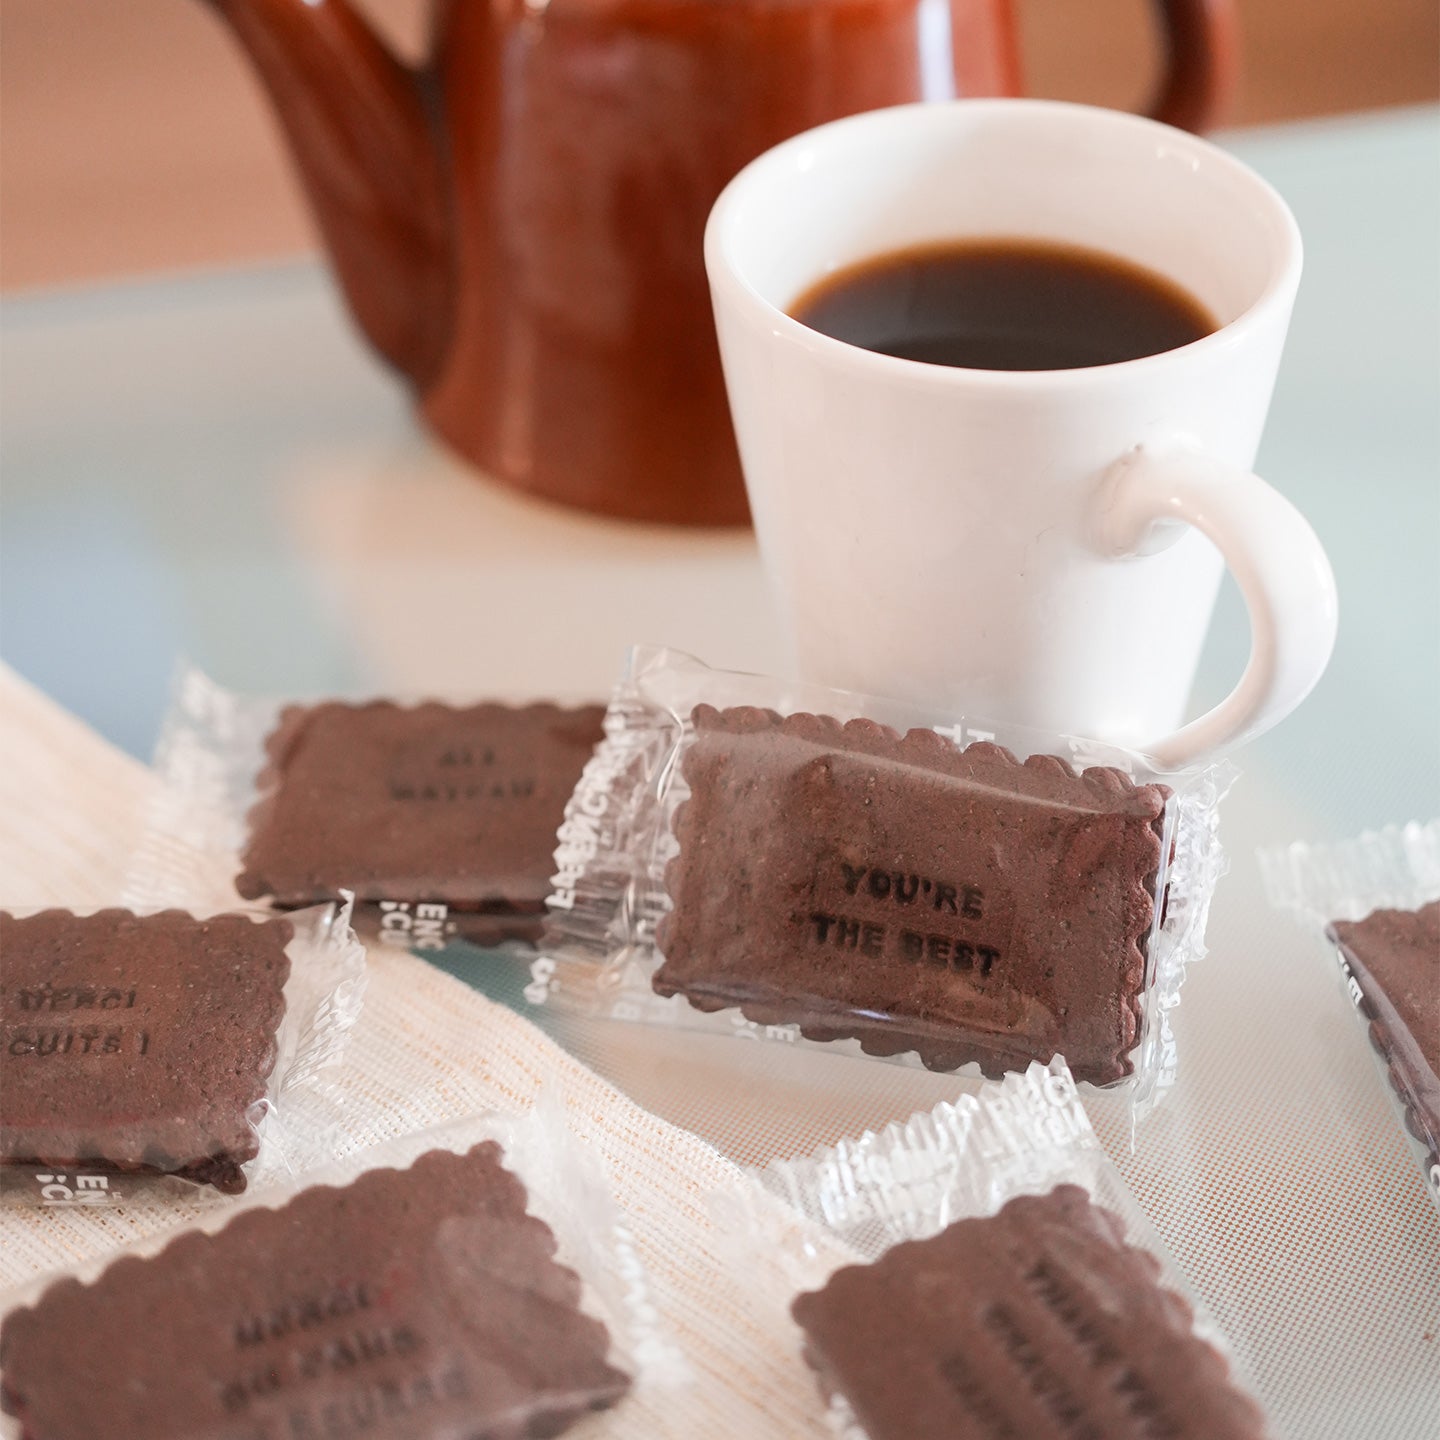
(472, 1279)
(1375, 903)
(982, 1271)
(799, 864)
(162, 1049)
(440, 818)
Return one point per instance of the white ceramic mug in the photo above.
(1006, 543)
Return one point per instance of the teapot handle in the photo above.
(360, 127)
(1201, 46)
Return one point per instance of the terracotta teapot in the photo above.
(517, 222)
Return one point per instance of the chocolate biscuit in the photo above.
(1038, 1323)
(1394, 958)
(910, 894)
(424, 803)
(410, 1305)
(138, 1043)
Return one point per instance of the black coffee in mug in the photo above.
(1004, 305)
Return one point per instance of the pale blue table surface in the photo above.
(146, 432)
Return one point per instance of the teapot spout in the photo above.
(358, 125)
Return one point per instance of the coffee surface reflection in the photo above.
(1005, 305)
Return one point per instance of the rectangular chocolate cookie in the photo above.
(417, 1304)
(1393, 957)
(138, 1043)
(1039, 1323)
(910, 894)
(416, 804)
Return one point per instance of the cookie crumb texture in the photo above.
(1038, 1323)
(138, 1043)
(911, 895)
(417, 1304)
(413, 803)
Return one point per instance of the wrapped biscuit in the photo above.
(439, 818)
(981, 1271)
(798, 863)
(150, 1049)
(1375, 901)
(472, 1279)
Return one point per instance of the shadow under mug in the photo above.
(1040, 546)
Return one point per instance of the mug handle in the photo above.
(1201, 49)
(1275, 557)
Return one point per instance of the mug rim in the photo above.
(726, 276)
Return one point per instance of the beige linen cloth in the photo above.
(426, 1049)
